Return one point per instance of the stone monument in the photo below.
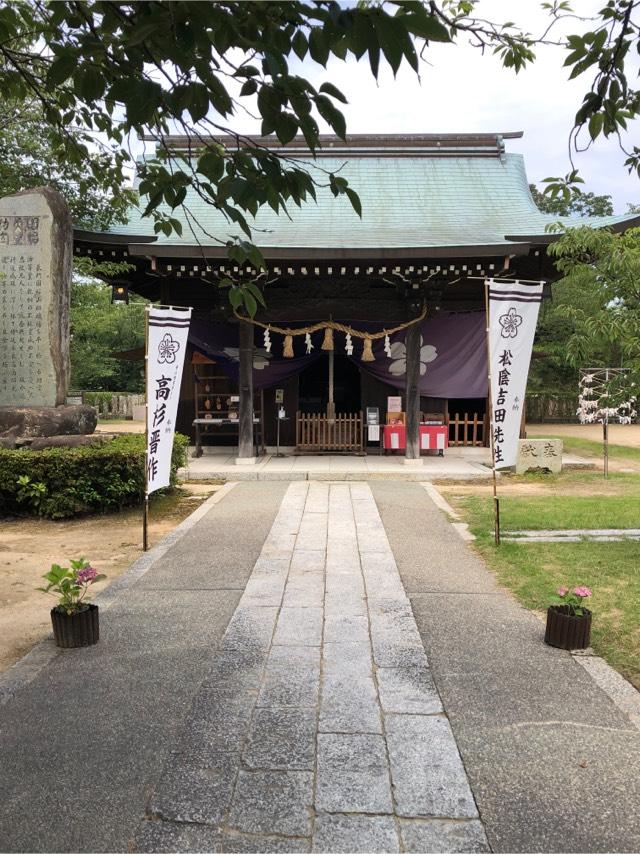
(534, 454)
(35, 275)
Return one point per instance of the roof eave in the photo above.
(84, 236)
(550, 237)
(292, 253)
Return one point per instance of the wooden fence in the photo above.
(316, 433)
(468, 430)
(559, 407)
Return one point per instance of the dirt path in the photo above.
(111, 542)
(120, 427)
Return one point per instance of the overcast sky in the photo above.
(463, 91)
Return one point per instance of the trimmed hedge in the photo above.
(98, 479)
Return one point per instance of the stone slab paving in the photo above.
(570, 535)
(319, 726)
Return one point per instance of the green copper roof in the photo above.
(418, 197)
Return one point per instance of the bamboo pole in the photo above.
(145, 511)
(496, 501)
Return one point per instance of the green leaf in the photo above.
(300, 44)
(355, 200)
(249, 87)
(219, 96)
(332, 115)
(318, 46)
(255, 290)
(91, 83)
(61, 69)
(250, 302)
(425, 26)
(332, 90)
(198, 101)
(595, 125)
(211, 164)
(139, 32)
(247, 71)
(286, 127)
(235, 297)
(143, 99)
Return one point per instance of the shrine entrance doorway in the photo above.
(313, 389)
(329, 417)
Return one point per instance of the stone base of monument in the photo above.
(539, 454)
(25, 422)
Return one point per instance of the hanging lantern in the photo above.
(367, 350)
(307, 341)
(327, 344)
(387, 346)
(120, 292)
(348, 346)
(267, 340)
(287, 350)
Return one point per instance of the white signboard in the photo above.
(513, 314)
(167, 344)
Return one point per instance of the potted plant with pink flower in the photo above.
(568, 621)
(74, 618)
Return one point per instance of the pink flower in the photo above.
(562, 591)
(86, 575)
(582, 592)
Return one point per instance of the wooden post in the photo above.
(245, 414)
(496, 500)
(331, 406)
(145, 509)
(412, 344)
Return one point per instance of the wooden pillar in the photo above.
(412, 343)
(246, 453)
(331, 406)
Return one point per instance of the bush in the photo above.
(64, 482)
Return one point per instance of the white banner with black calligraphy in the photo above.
(513, 314)
(167, 344)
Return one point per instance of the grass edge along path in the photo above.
(593, 449)
(532, 572)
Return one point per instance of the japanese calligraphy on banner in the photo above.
(513, 314)
(167, 343)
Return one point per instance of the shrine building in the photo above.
(440, 212)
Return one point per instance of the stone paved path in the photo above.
(319, 726)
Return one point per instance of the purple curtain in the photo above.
(453, 358)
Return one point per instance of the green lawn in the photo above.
(534, 572)
(586, 447)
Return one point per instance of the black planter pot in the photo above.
(81, 629)
(566, 630)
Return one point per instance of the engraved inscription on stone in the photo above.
(539, 453)
(19, 230)
(35, 252)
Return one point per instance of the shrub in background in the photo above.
(70, 481)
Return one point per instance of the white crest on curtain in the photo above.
(398, 354)
(260, 357)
